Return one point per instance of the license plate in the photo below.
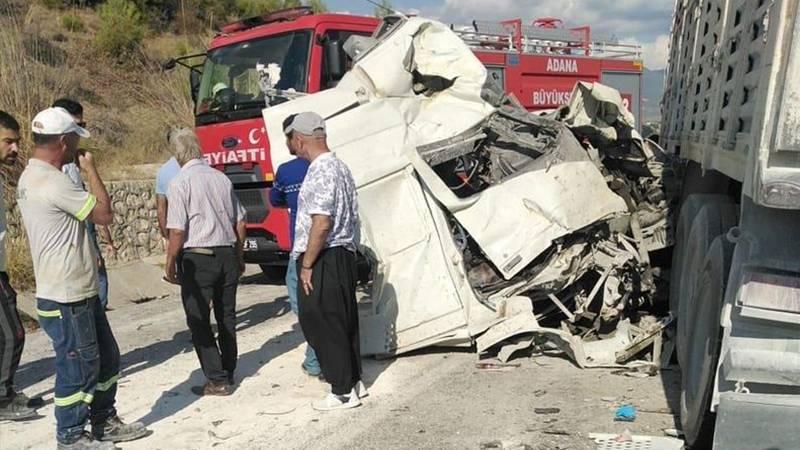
(250, 244)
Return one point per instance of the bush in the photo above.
(121, 28)
(52, 4)
(72, 23)
(251, 8)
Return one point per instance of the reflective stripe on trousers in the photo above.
(87, 364)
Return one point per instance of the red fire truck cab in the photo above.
(539, 64)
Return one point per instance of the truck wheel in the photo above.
(703, 345)
(273, 273)
(702, 218)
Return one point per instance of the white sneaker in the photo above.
(361, 390)
(333, 402)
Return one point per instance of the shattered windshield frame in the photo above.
(229, 88)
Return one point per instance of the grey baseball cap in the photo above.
(306, 123)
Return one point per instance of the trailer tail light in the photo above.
(781, 194)
(765, 294)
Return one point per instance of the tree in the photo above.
(318, 6)
(384, 9)
(121, 28)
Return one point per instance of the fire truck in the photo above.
(539, 63)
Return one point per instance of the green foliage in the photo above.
(318, 6)
(121, 28)
(384, 9)
(72, 22)
(250, 8)
(52, 4)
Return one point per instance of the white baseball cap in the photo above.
(306, 123)
(55, 121)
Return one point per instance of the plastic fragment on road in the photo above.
(626, 441)
(625, 413)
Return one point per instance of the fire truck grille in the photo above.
(255, 203)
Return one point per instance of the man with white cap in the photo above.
(54, 212)
(325, 251)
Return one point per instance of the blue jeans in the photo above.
(102, 274)
(102, 282)
(311, 363)
(87, 364)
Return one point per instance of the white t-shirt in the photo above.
(53, 211)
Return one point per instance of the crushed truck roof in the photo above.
(486, 224)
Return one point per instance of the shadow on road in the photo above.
(159, 352)
(180, 397)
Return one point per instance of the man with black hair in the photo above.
(54, 212)
(13, 405)
(284, 194)
(73, 171)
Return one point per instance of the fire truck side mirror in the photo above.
(334, 59)
(194, 83)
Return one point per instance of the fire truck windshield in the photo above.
(229, 88)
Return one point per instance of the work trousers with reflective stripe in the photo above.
(12, 339)
(87, 364)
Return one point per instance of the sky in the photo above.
(643, 22)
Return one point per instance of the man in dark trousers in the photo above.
(325, 250)
(54, 212)
(206, 229)
(13, 405)
(284, 193)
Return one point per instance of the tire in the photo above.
(702, 219)
(703, 345)
(273, 273)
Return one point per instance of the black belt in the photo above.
(208, 251)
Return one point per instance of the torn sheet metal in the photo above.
(475, 215)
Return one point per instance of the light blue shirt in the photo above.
(165, 175)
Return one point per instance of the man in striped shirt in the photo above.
(206, 227)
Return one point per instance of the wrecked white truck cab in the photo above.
(480, 219)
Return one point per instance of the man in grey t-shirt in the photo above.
(54, 212)
(324, 248)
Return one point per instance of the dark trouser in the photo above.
(329, 318)
(87, 364)
(12, 339)
(207, 279)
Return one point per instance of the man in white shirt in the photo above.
(54, 212)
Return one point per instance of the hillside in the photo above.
(107, 55)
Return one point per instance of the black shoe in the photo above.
(14, 411)
(85, 442)
(115, 430)
(24, 400)
(213, 388)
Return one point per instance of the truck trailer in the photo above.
(732, 109)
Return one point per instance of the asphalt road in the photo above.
(431, 399)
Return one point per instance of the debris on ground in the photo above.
(625, 413)
(496, 366)
(673, 432)
(505, 445)
(626, 441)
(546, 410)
